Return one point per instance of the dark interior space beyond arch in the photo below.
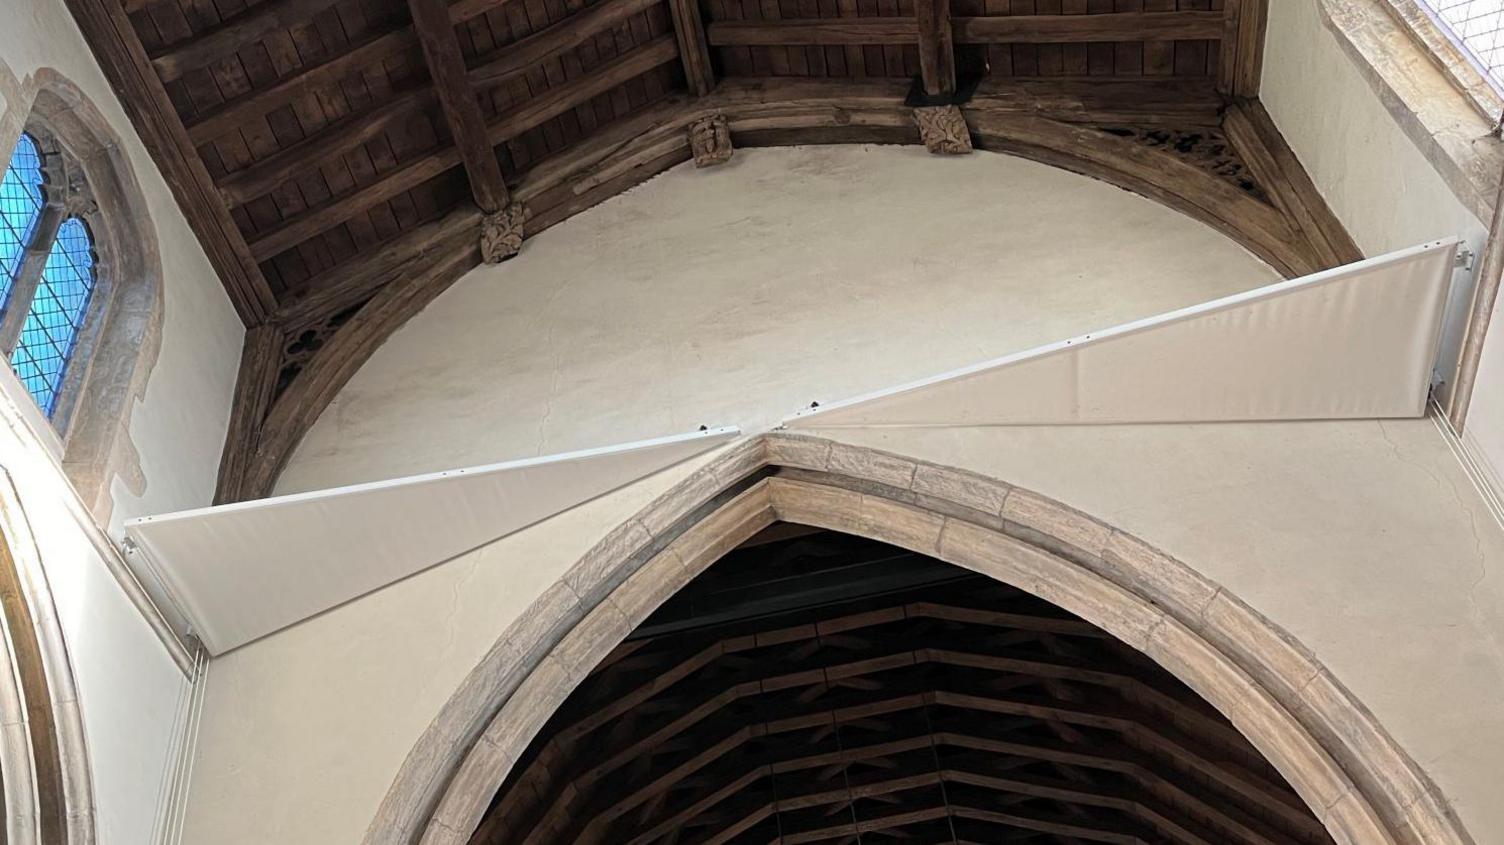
(817, 687)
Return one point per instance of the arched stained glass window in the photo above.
(21, 202)
(57, 314)
(47, 265)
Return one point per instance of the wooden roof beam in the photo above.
(1003, 29)
(125, 63)
(694, 48)
(533, 113)
(937, 53)
(1241, 54)
(230, 35)
(514, 60)
(321, 147)
(340, 138)
(467, 125)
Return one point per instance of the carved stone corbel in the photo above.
(710, 140)
(943, 129)
(501, 233)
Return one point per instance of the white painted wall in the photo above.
(130, 691)
(129, 688)
(1372, 175)
(1364, 539)
(736, 295)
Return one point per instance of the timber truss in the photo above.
(343, 161)
(951, 709)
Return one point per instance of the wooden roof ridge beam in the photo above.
(123, 58)
(533, 113)
(937, 53)
(461, 106)
(1009, 29)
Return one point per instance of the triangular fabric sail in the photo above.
(239, 572)
(1357, 341)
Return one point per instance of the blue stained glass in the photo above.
(57, 313)
(20, 207)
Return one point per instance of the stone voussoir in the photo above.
(1152, 573)
(872, 465)
(1051, 518)
(967, 489)
(599, 571)
(798, 451)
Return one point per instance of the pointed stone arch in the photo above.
(1329, 748)
(44, 762)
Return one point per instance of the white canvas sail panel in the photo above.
(1357, 341)
(239, 572)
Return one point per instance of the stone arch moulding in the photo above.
(1354, 777)
(121, 340)
(47, 782)
(1224, 165)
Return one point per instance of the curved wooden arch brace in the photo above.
(1226, 167)
(1321, 739)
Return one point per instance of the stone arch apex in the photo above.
(1324, 742)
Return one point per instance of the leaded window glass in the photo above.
(47, 266)
(21, 201)
(1477, 26)
(58, 307)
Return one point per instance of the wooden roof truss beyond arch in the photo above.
(343, 161)
(916, 703)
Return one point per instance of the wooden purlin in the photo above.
(675, 757)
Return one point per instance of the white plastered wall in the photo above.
(1364, 539)
(1375, 179)
(738, 294)
(672, 304)
(129, 688)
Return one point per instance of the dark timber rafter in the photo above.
(108, 31)
(827, 729)
(461, 108)
(937, 53)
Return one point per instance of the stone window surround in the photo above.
(1434, 93)
(1275, 691)
(76, 201)
(89, 433)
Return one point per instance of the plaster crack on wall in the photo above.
(1480, 557)
(456, 598)
(546, 313)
